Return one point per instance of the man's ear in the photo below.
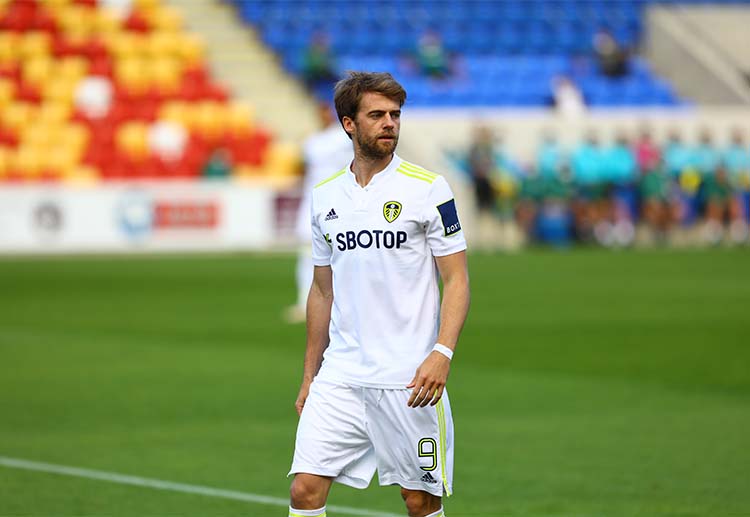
(348, 125)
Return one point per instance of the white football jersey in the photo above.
(324, 152)
(380, 241)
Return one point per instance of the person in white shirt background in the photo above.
(324, 153)
(379, 338)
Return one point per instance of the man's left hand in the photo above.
(429, 380)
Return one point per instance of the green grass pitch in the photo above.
(586, 383)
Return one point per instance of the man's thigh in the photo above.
(413, 446)
(332, 438)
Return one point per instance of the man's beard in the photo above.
(375, 149)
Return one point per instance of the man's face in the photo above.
(376, 126)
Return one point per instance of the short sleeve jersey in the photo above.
(381, 241)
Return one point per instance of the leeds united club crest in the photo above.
(391, 210)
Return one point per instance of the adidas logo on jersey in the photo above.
(427, 478)
(331, 215)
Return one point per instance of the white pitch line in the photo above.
(159, 484)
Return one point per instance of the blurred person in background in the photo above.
(720, 208)
(590, 205)
(611, 56)
(324, 153)
(483, 168)
(219, 164)
(677, 154)
(657, 212)
(567, 98)
(431, 56)
(319, 64)
(550, 156)
(706, 156)
(530, 200)
(621, 171)
(680, 164)
(647, 152)
(736, 158)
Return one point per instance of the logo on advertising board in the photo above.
(48, 219)
(135, 214)
(141, 214)
(189, 215)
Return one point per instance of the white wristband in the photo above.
(442, 349)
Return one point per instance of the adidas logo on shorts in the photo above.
(427, 478)
(331, 215)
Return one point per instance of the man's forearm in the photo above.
(318, 320)
(453, 309)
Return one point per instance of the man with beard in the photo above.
(377, 358)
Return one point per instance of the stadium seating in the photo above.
(90, 93)
(507, 51)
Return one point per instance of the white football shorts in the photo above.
(347, 432)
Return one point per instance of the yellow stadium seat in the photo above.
(76, 137)
(132, 74)
(17, 116)
(5, 161)
(60, 160)
(7, 92)
(73, 68)
(77, 19)
(54, 113)
(178, 112)
(82, 174)
(210, 119)
(38, 70)
(146, 5)
(105, 21)
(166, 74)
(241, 117)
(192, 50)
(9, 47)
(283, 159)
(28, 161)
(35, 44)
(125, 45)
(59, 91)
(37, 135)
(132, 140)
(164, 18)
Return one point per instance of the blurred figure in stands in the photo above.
(721, 208)
(567, 98)
(483, 169)
(590, 205)
(550, 156)
(706, 157)
(647, 153)
(432, 58)
(319, 65)
(324, 154)
(621, 172)
(219, 164)
(655, 189)
(737, 159)
(611, 56)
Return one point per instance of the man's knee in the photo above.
(309, 492)
(419, 503)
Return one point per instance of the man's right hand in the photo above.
(304, 390)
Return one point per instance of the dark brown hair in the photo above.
(349, 91)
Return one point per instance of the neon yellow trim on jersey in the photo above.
(441, 433)
(339, 173)
(418, 176)
(415, 168)
(291, 514)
